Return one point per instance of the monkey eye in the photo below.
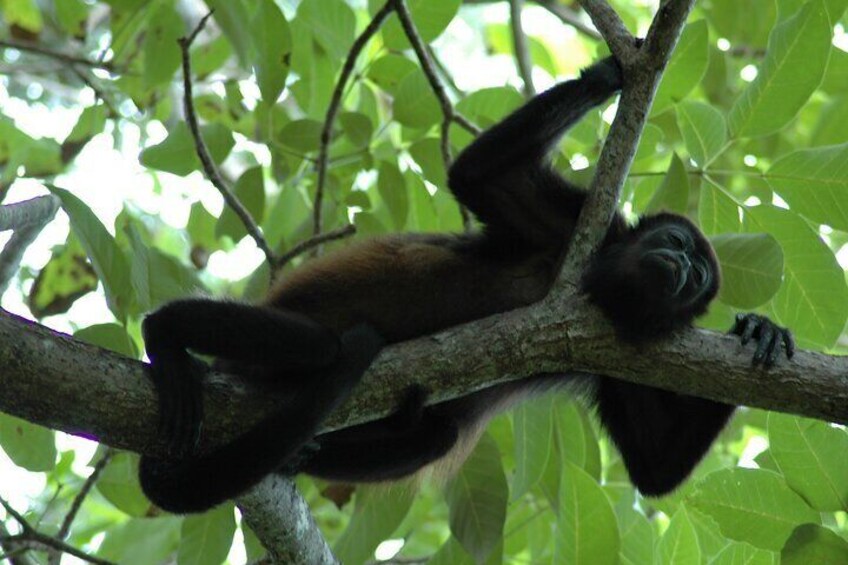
(676, 238)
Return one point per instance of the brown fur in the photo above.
(409, 285)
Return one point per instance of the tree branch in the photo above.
(449, 113)
(52, 380)
(56, 55)
(280, 517)
(643, 69)
(335, 103)
(209, 166)
(522, 50)
(27, 219)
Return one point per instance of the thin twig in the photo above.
(65, 528)
(315, 241)
(333, 108)
(37, 540)
(522, 51)
(209, 166)
(29, 535)
(63, 57)
(449, 113)
(443, 70)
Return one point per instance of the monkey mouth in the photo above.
(671, 270)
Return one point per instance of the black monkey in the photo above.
(320, 329)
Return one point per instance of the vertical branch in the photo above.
(449, 113)
(280, 517)
(335, 104)
(643, 68)
(521, 48)
(209, 166)
(55, 556)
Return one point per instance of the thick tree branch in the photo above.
(280, 517)
(55, 381)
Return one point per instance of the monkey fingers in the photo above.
(768, 336)
(178, 378)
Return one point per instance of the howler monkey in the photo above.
(323, 325)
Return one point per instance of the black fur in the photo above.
(321, 327)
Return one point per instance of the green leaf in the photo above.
(704, 130)
(813, 299)
(375, 518)
(303, 135)
(673, 194)
(72, 15)
(751, 268)
(685, 69)
(176, 154)
(24, 14)
(815, 183)
(415, 104)
(113, 337)
(389, 70)
(141, 541)
(533, 430)
(836, 75)
(65, 278)
(652, 137)
(90, 123)
(119, 484)
(106, 257)
(250, 191)
(793, 67)
(357, 127)
(207, 58)
(488, 106)
(637, 536)
(679, 543)
(206, 538)
(586, 529)
(752, 505)
(427, 153)
(830, 129)
(745, 554)
(477, 497)
(812, 544)
(333, 24)
(232, 16)
(272, 50)
(733, 20)
(28, 445)
(430, 18)
(161, 51)
(717, 212)
(392, 188)
(812, 457)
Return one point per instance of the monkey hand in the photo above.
(178, 379)
(768, 336)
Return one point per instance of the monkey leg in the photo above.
(258, 336)
(387, 449)
(195, 484)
